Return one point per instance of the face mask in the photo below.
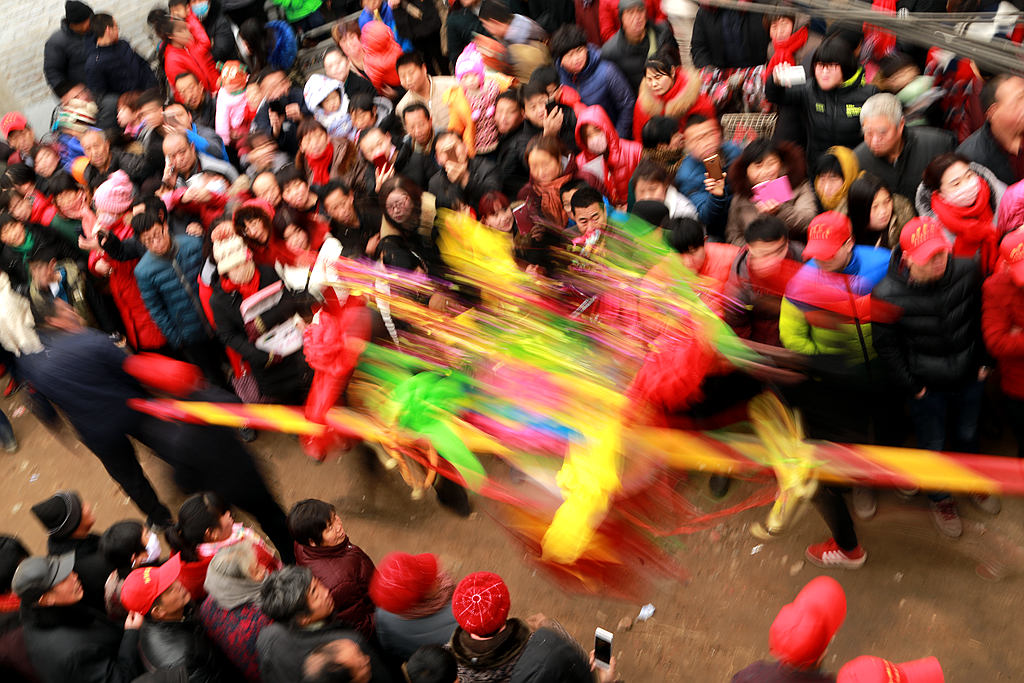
(965, 194)
(597, 144)
(200, 9)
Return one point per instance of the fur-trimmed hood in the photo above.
(677, 101)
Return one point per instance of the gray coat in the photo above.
(401, 637)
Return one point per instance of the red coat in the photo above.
(346, 571)
(682, 99)
(194, 59)
(1002, 310)
(620, 159)
(139, 328)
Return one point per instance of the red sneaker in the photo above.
(829, 555)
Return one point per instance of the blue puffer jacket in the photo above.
(166, 290)
(602, 83)
(712, 211)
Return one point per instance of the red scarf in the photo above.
(972, 226)
(785, 51)
(321, 165)
(246, 289)
(551, 199)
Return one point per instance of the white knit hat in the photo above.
(230, 253)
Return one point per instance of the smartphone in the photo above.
(713, 165)
(602, 649)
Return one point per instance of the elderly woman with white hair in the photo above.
(231, 613)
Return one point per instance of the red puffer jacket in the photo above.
(620, 159)
(1002, 324)
(346, 571)
(195, 59)
(140, 330)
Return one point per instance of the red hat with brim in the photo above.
(12, 121)
(921, 239)
(143, 586)
(1012, 251)
(826, 234)
(803, 629)
(877, 670)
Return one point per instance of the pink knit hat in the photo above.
(114, 195)
(480, 603)
(402, 580)
(469, 62)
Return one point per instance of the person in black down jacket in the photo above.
(67, 49)
(934, 349)
(170, 636)
(66, 640)
(113, 68)
(831, 99)
(300, 606)
(284, 380)
(728, 39)
(68, 521)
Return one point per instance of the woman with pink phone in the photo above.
(770, 178)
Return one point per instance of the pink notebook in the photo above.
(778, 190)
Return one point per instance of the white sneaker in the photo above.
(865, 502)
(947, 517)
(987, 503)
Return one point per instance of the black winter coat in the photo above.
(710, 46)
(282, 651)
(550, 14)
(165, 645)
(511, 160)
(90, 565)
(921, 144)
(416, 19)
(830, 117)
(936, 342)
(65, 56)
(222, 38)
(285, 380)
(483, 178)
(117, 69)
(78, 644)
(981, 147)
(631, 58)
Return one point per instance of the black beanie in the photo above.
(76, 12)
(60, 514)
(654, 212)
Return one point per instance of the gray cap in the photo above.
(628, 4)
(37, 575)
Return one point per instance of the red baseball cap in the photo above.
(826, 234)
(876, 670)
(143, 586)
(12, 121)
(1012, 251)
(922, 238)
(803, 629)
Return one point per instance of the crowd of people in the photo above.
(176, 209)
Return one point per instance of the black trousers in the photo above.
(204, 458)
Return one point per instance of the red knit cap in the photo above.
(402, 580)
(481, 603)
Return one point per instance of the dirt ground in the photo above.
(918, 595)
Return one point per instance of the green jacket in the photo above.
(296, 10)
